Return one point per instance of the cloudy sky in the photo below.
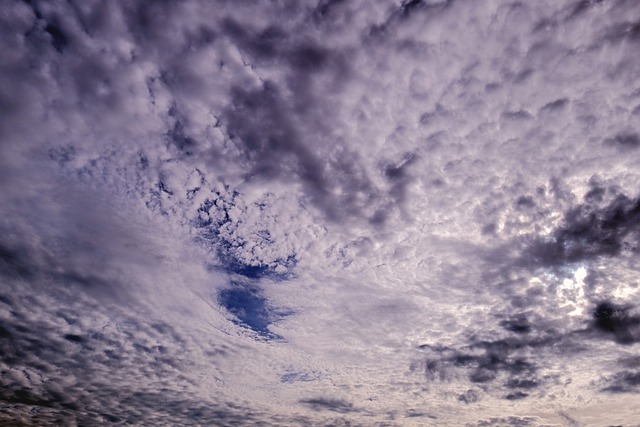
(322, 212)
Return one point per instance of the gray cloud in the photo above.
(59, 369)
(624, 382)
(508, 421)
(261, 122)
(618, 322)
(512, 364)
(334, 405)
(590, 231)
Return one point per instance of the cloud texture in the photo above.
(319, 213)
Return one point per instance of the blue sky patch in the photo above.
(251, 309)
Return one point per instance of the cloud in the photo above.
(334, 405)
(512, 364)
(625, 140)
(590, 231)
(260, 120)
(112, 368)
(617, 321)
(242, 212)
(624, 382)
(510, 421)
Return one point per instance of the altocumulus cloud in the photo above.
(319, 213)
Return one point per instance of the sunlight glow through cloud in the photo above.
(571, 292)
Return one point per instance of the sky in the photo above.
(320, 213)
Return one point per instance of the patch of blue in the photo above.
(254, 272)
(248, 306)
(251, 309)
(249, 271)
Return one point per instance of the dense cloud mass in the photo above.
(333, 212)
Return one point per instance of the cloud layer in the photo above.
(324, 213)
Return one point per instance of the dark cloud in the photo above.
(262, 44)
(325, 404)
(522, 383)
(178, 136)
(152, 24)
(61, 246)
(308, 57)
(276, 126)
(625, 140)
(131, 408)
(555, 105)
(501, 363)
(618, 322)
(596, 194)
(14, 262)
(525, 202)
(51, 24)
(623, 382)
(604, 226)
(273, 42)
(469, 396)
(516, 395)
(628, 30)
(327, 9)
(409, 7)
(590, 231)
(506, 421)
(265, 128)
(261, 121)
(514, 366)
(582, 6)
(517, 115)
(399, 175)
(519, 324)
(58, 38)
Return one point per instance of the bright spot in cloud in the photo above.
(571, 292)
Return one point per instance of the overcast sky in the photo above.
(323, 212)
